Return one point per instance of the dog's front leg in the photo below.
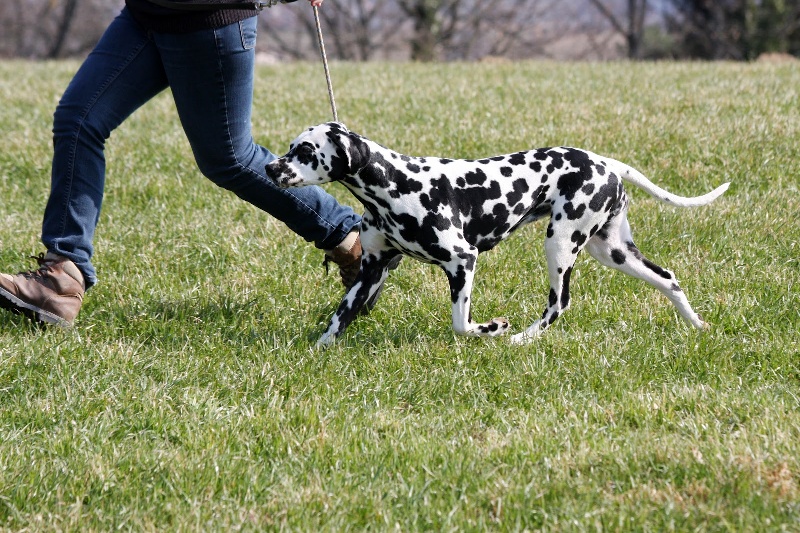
(374, 270)
(461, 275)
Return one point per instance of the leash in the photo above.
(325, 65)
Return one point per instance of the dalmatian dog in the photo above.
(447, 211)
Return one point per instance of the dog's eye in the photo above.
(304, 153)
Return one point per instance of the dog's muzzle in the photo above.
(280, 173)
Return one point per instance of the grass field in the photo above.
(189, 395)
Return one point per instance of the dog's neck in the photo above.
(383, 177)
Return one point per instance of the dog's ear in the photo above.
(353, 153)
(359, 152)
(337, 127)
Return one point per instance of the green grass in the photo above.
(189, 395)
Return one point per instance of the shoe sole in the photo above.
(37, 315)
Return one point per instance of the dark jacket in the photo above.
(165, 20)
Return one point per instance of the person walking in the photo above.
(206, 55)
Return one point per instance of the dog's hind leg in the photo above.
(363, 293)
(614, 247)
(561, 250)
(461, 274)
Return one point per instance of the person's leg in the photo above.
(211, 77)
(122, 72)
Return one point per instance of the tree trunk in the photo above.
(70, 6)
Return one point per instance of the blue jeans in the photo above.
(210, 73)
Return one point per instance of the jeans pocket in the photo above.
(249, 32)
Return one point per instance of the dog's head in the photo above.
(328, 152)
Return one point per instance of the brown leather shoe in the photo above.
(348, 256)
(53, 294)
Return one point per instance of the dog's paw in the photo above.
(523, 338)
(326, 340)
(493, 328)
(527, 336)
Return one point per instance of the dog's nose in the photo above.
(272, 171)
(280, 173)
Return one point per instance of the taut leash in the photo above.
(325, 65)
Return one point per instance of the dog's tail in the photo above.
(632, 175)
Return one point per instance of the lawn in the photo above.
(189, 395)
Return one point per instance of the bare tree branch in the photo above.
(634, 32)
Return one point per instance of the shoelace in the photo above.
(45, 267)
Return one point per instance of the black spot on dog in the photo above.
(457, 282)
(574, 213)
(403, 184)
(437, 221)
(305, 154)
(441, 193)
(649, 264)
(470, 201)
(565, 288)
(618, 256)
(517, 159)
(478, 177)
(569, 184)
(556, 162)
(373, 175)
(634, 250)
(606, 196)
(414, 230)
(657, 269)
(383, 175)
(520, 187)
(578, 238)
